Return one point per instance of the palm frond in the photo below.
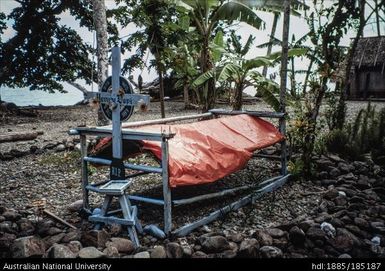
(229, 71)
(203, 78)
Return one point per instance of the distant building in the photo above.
(367, 78)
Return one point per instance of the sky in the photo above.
(298, 27)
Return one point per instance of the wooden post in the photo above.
(83, 150)
(282, 94)
(166, 188)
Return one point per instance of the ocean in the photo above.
(25, 97)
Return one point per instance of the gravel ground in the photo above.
(54, 177)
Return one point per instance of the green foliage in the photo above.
(335, 113)
(364, 135)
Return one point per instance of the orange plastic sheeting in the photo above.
(205, 151)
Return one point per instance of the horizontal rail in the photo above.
(211, 195)
(111, 220)
(107, 162)
(148, 200)
(186, 229)
(262, 114)
(126, 133)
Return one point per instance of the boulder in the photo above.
(199, 254)
(315, 233)
(174, 250)
(75, 206)
(11, 215)
(50, 240)
(215, 244)
(27, 246)
(123, 245)
(158, 252)
(111, 252)
(263, 238)
(248, 248)
(142, 255)
(75, 246)
(270, 252)
(59, 251)
(90, 253)
(95, 238)
(297, 236)
(275, 232)
(362, 223)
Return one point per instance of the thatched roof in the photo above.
(370, 52)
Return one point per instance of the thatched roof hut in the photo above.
(368, 69)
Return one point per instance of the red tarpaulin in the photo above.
(205, 151)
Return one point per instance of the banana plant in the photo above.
(242, 73)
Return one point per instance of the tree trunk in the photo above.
(238, 97)
(283, 74)
(161, 85)
(186, 96)
(270, 46)
(100, 24)
(19, 136)
(208, 94)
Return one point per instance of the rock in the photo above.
(115, 229)
(318, 252)
(75, 206)
(334, 172)
(297, 236)
(50, 146)
(75, 246)
(270, 252)
(123, 245)
(199, 254)
(6, 226)
(50, 240)
(324, 163)
(331, 194)
(142, 255)
(337, 223)
(362, 223)
(263, 238)
(158, 252)
(187, 251)
(275, 233)
(378, 227)
(323, 175)
(227, 254)
(248, 248)
(305, 225)
(33, 149)
(345, 256)
(54, 231)
(6, 240)
(340, 200)
(95, 238)
(11, 215)
(111, 252)
(327, 182)
(215, 244)
(72, 235)
(344, 241)
(59, 251)
(322, 217)
(328, 229)
(363, 182)
(174, 250)
(315, 233)
(60, 148)
(236, 237)
(90, 253)
(343, 167)
(26, 227)
(27, 246)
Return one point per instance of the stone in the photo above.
(248, 248)
(75, 206)
(50, 240)
(90, 253)
(199, 254)
(318, 252)
(187, 251)
(363, 182)
(75, 246)
(345, 256)
(297, 236)
(343, 167)
(59, 251)
(26, 227)
(334, 172)
(263, 238)
(362, 223)
(7, 226)
(315, 233)
(54, 231)
(95, 238)
(60, 148)
(331, 194)
(123, 245)
(275, 232)
(27, 246)
(72, 235)
(344, 241)
(6, 240)
(336, 222)
(227, 254)
(327, 182)
(142, 255)
(11, 215)
(215, 244)
(174, 250)
(111, 252)
(236, 237)
(305, 225)
(340, 200)
(323, 175)
(378, 227)
(270, 252)
(158, 252)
